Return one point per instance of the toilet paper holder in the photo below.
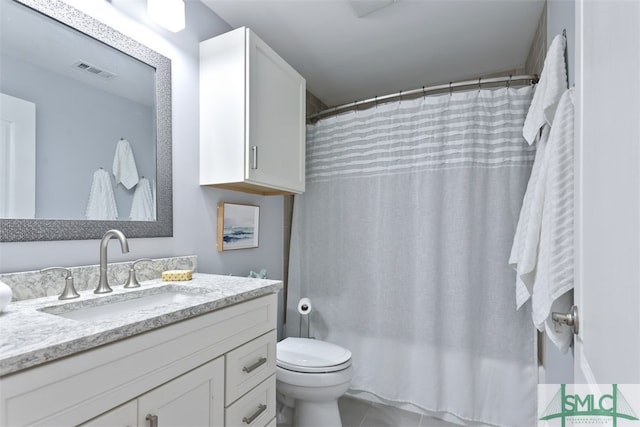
(304, 309)
(300, 327)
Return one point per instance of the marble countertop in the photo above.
(34, 331)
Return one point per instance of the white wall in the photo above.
(194, 207)
(63, 181)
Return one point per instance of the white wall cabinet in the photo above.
(179, 373)
(252, 117)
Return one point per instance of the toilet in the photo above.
(310, 377)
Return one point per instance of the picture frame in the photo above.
(238, 226)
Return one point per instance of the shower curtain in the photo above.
(402, 242)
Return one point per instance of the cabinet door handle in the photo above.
(153, 420)
(261, 409)
(255, 366)
(254, 151)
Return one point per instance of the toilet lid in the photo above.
(309, 355)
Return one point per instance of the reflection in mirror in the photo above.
(85, 127)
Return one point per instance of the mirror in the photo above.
(82, 106)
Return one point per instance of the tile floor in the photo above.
(360, 413)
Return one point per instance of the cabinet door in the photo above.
(276, 132)
(193, 399)
(122, 416)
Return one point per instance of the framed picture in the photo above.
(237, 226)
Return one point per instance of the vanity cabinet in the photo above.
(252, 117)
(216, 369)
(193, 399)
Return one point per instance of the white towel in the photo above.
(101, 204)
(524, 252)
(143, 204)
(553, 82)
(554, 271)
(124, 165)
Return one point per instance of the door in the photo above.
(17, 157)
(193, 399)
(607, 349)
(276, 133)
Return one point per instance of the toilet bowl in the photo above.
(310, 377)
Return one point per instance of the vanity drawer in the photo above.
(256, 408)
(249, 365)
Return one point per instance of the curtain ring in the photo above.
(509, 81)
(376, 101)
(400, 96)
(450, 89)
(479, 83)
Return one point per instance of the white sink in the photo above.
(114, 306)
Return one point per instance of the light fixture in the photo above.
(167, 13)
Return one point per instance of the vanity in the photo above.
(200, 353)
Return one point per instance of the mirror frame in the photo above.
(25, 230)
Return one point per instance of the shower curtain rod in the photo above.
(533, 78)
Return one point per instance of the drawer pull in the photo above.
(255, 366)
(153, 420)
(261, 409)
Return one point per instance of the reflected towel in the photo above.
(124, 165)
(143, 204)
(101, 204)
(553, 82)
(554, 270)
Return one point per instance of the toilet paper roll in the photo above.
(5, 295)
(304, 306)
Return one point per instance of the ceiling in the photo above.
(354, 50)
(41, 42)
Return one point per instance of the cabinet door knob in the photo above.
(255, 366)
(260, 410)
(153, 420)
(254, 151)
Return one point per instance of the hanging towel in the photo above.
(553, 82)
(554, 270)
(525, 244)
(124, 165)
(101, 204)
(524, 252)
(143, 204)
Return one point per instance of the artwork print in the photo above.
(237, 226)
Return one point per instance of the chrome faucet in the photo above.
(103, 284)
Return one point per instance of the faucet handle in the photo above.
(69, 291)
(133, 281)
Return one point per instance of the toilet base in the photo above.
(316, 414)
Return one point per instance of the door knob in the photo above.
(570, 319)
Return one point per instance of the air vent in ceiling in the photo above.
(92, 69)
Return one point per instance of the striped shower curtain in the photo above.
(402, 242)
